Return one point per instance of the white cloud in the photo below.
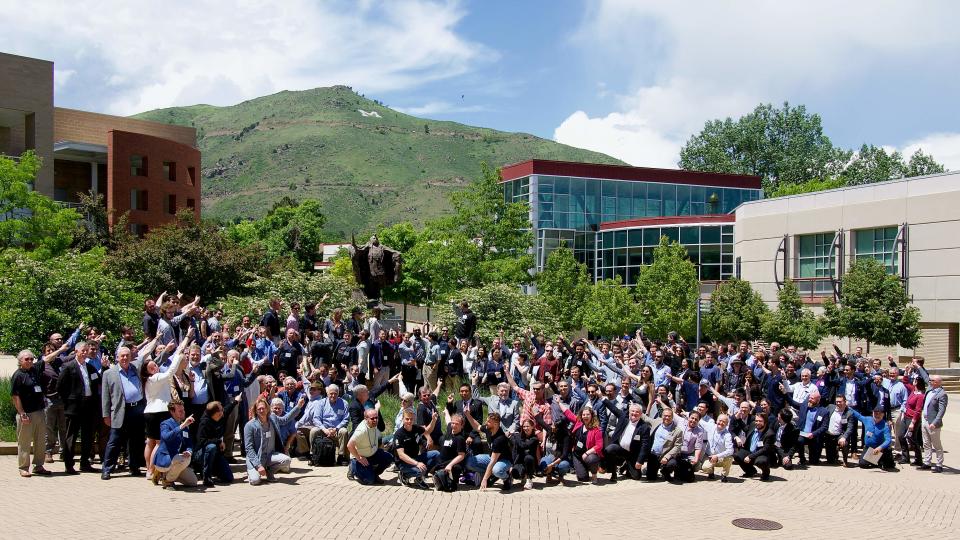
(700, 60)
(439, 107)
(944, 147)
(135, 56)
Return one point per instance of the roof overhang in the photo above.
(80, 151)
(670, 220)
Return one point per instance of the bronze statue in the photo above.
(375, 266)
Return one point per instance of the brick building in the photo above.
(147, 170)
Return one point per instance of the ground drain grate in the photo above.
(755, 524)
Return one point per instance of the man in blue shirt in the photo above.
(328, 417)
(122, 404)
(876, 441)
(898, 403)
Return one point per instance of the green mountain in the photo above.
(366, 163)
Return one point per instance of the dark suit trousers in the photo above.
(615, 455)
(814, 449)
(762, 463)
(831, 447)
(130, 436)
(81, 425)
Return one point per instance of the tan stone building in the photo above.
(911, 225)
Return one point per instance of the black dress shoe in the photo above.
(87, 468)
(105, 474)
(208, 483)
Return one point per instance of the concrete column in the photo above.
(93, 177)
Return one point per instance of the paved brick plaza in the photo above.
(854, 503)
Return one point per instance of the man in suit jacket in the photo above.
(175, 450)
(122, 403)
(630, 440)
(79, 388)
(665, 442)
(841, 430)
(786, 438)
(759, 451)
(934, 407)
(811, 422)
(507, 407)
(475, 406)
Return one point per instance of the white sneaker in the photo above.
(528, 485)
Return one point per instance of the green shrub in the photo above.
(500, 306)
(8, 414)
(293, 285)
(55, 295)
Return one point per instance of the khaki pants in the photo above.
(32, 432)
(895, 425)
(430, 376)
(708, 468)
(230, 432)
(931, 444)
(179, 471)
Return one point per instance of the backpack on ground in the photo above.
(444, 482)
(323, 452)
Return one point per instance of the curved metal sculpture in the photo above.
(375, 266)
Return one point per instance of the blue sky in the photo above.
(630, 78)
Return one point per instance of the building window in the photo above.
(192, 175)
(170, 170)
(138, 229)
(171, 204)
(192, 204)
(879, 244)
(138, 199)
(138, 165)
(815, 255)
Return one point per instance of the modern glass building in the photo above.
(613, 216)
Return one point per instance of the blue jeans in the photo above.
(378, 462)
(562, 468)
(478, 464)
(215, 464)
(428, 458)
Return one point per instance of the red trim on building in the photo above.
(671, 220)
(623, 172)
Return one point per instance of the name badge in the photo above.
(497, 374)
(869, 434)
(94, 376)
(636, 437)
(450, 361)
(580, 445)
(185, 434)
(36, 388)
(288, 355)
(760, 443)
(448, 443)
(819, 418)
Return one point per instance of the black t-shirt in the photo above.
(26, 385)
(272, 322)
(408, 440)
(452, 445)
(499, 443)
(425, 414)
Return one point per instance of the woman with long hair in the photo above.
(587, 441)
(158, 390)
(526, 453)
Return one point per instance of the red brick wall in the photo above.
(120, 146)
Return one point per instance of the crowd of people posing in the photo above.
(169, 406)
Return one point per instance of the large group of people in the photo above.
(169, 405)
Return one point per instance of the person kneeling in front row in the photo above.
(171, 462)
(260, 437)
(368, 459)
(414, 464)
(498, 462)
